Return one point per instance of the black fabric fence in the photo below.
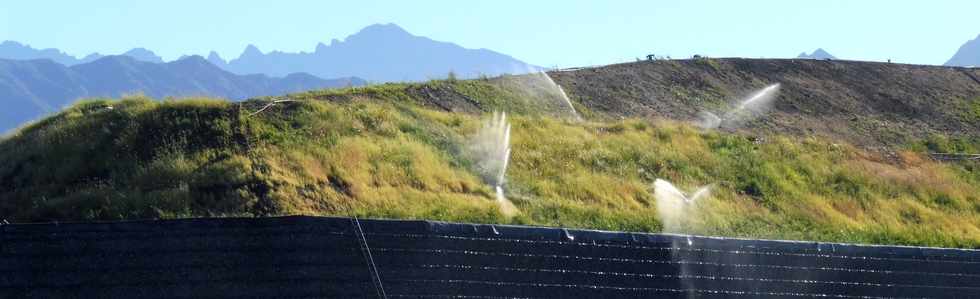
(318, 257)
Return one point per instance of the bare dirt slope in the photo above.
(866, 103)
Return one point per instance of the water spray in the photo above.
(708, 120)
(563, 95)
(491, 148)
(747, 109)
(539, 85)
(759, 97)
(673, 205)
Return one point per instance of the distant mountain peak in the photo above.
(967, 55)
(11, 45)
(383, 28)
(819, 53)
(91, 57)
(216, 59)
(193, 58)
(142, 54)
(251, 51)
(388, 31)
(138, 50)
(194, 64)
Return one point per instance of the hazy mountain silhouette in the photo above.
(16, 51)
(967, 55)
(817, 54)
(32, 88)
(382, 52)
(378, 53)
(215, 59)
(89, 58)
(143, 54)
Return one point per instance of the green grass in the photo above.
(970, 110)
(937, 143)
(383, 155)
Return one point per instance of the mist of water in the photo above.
(747, 109)
(675, 208)
(708, 120)
(674, 205)
(562, 95)
(535, 83)
(760, 99)
(490, 148)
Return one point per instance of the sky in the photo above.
(547, 33)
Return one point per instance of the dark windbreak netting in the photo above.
(314, 257)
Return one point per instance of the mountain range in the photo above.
(382, 53)
(378, 53)
(30, 89)
(16, 51)
(967, 55)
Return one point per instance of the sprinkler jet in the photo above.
(675, 207)
(669, 191)
(747, 109)
(491, 146)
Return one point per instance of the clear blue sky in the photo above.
(547, 33)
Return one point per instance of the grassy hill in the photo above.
(400, 151)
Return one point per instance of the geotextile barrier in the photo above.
(320, 257)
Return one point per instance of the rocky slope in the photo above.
(866, 103)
